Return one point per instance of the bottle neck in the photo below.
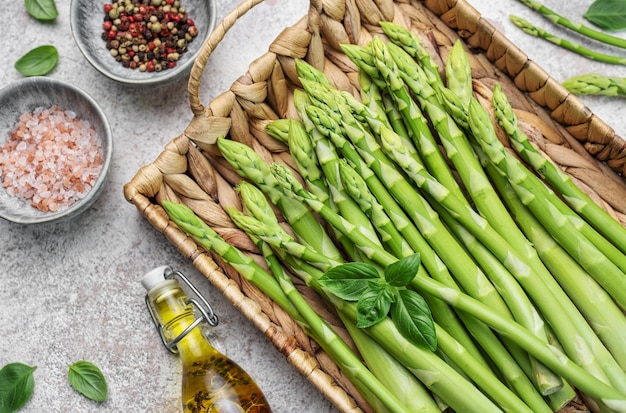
(175, 315)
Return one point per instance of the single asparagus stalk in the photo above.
(459, 73)
(533, 30)
(278, 129)
(248, 164)
(575, 197)
(596, 84)
(577, 27)
(301, 149)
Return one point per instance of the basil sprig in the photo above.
(44, 10)
(38, 62)
(16, 386)
(87, 379)
(376, 297)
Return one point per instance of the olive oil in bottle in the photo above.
(211, 383)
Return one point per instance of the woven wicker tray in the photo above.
(189, 169)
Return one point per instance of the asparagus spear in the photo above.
(596, 84)
(301, 149)
(532, 30)
(278, 129)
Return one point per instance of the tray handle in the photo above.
(208, 47)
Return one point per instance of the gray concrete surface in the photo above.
(71, 291)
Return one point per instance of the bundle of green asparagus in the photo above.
(470, 276)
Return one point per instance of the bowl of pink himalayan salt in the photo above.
(55, 151)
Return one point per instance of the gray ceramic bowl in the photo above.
(87, 18)
(24, 96)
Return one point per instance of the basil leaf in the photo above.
(38, 62)
(401, 272)
(44, 10)
(411, 315)
(16, 386)
(87, 379)
(349, 281)
(373, 306)
(607, 14)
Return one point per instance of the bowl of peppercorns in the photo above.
(142, 42)
(55, 151)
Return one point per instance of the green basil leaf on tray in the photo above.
(38, 62)
(607, 14)
(87, 379)
(411, 315)
(349, 281)
(44, 10)
(16, 386)
(401, 272)
(374, 304)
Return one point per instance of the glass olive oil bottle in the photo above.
(211, 383)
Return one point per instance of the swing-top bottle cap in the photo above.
(155, 277)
